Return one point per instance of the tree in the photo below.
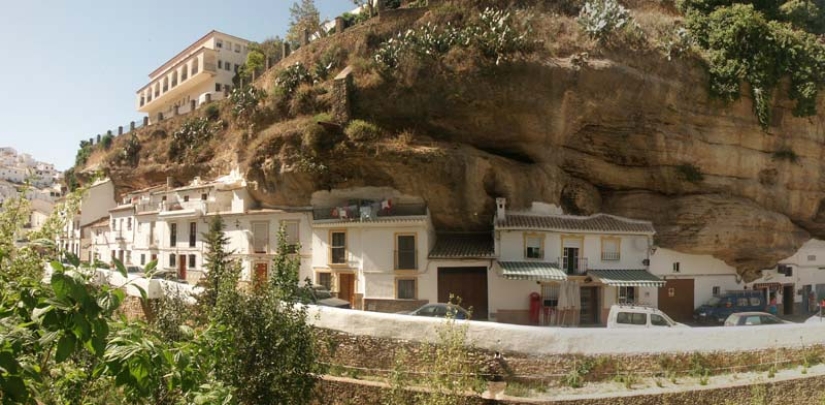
(218, 264)
(304, 16)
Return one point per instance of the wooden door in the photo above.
(787, 299)
(467, 283)
(346, 287)
(676, 299)
(182, 267)
(589, 314)
(261, 274)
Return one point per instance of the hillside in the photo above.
(628, 123)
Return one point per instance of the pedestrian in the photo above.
(772, 305)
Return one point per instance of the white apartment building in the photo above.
(576, 266)
(18, 168)
(371, 249)
(167, 224)
(94, 205)
(203, 70)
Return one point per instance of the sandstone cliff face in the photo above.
(634, 135)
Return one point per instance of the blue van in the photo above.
(721, 306)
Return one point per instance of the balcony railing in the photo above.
(573, 266)
(365, 211)
(406, 260)
(611, 256)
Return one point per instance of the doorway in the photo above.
(787, 299)
(467, 283)
(182, 267)
(589, 314)
(261, 270)
(346, 287)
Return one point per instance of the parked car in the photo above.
(719, 308)
(319, 295)
(169, 275)
(632, 316)
(753, 318)
(136, 270)
(440, 311)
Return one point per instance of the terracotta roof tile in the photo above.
(593, 223)
(463, 246)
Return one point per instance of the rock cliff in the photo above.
(632, 134)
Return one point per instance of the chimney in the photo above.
(501, 212)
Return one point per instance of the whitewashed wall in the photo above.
(634, 249)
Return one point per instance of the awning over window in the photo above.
(531, 271)
(627, 278)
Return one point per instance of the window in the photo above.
(173, 235)
(143, 259)
(171, 260)
(186, 198)
(260, 236)
(228, 46)
(193, 233)
(631, 318)
(658, 320)
(768, 320)
(218, 44)
(742, 302)
(325, 279)
(291, 236)
(226, 67)
(203, 197)
(610, 249)
(753, 320)
(405, 254)
(676, 267)
(191, 261)
(405, 288)
(716, 291)
(533, 247)
(811, 258)
(128, 257)
(237, 66)
(195, 68)
(128, 224)
(627, 295)
(237, 48)
(755, 301)
(338, 247)
(217, 87)
(220, 64)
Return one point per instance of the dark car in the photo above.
(719, 308)
(319, 295)
(753, 318)
(440, 311)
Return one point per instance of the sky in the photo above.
(72, 68)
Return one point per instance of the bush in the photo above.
(786, 154)
(188, 140)
(212, 112)
(690, 172)
(245, 103)
(292, 77)
(362, 131)
(107, 140)
(599, 18)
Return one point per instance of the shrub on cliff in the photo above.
(599, 18)
(362, 131)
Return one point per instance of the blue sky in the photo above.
(71, 68)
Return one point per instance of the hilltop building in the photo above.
(202, 72)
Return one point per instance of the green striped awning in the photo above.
(531, 271)
(627, 278)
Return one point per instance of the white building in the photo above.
(95, 204)
(691, 280)
(370, 247)
(576, 266)
(204, 69)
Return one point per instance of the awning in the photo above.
(627, 278)
(531, 271)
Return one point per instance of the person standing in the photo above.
(772, 305)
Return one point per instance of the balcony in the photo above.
(406, 259)
(203, 67)
(368, 210)
(573, 266)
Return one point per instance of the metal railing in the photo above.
(365, 211)
(573, 265)
(406, 259)
(611, 256)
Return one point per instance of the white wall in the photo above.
(555, 340)
(634, 249)
(707, 272)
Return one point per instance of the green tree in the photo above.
(303, 16)
(218, 264)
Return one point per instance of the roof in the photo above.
(627, 278)
(463, 246)
(100, 222)
(531, 271)
(376, 220)
(593, 223)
